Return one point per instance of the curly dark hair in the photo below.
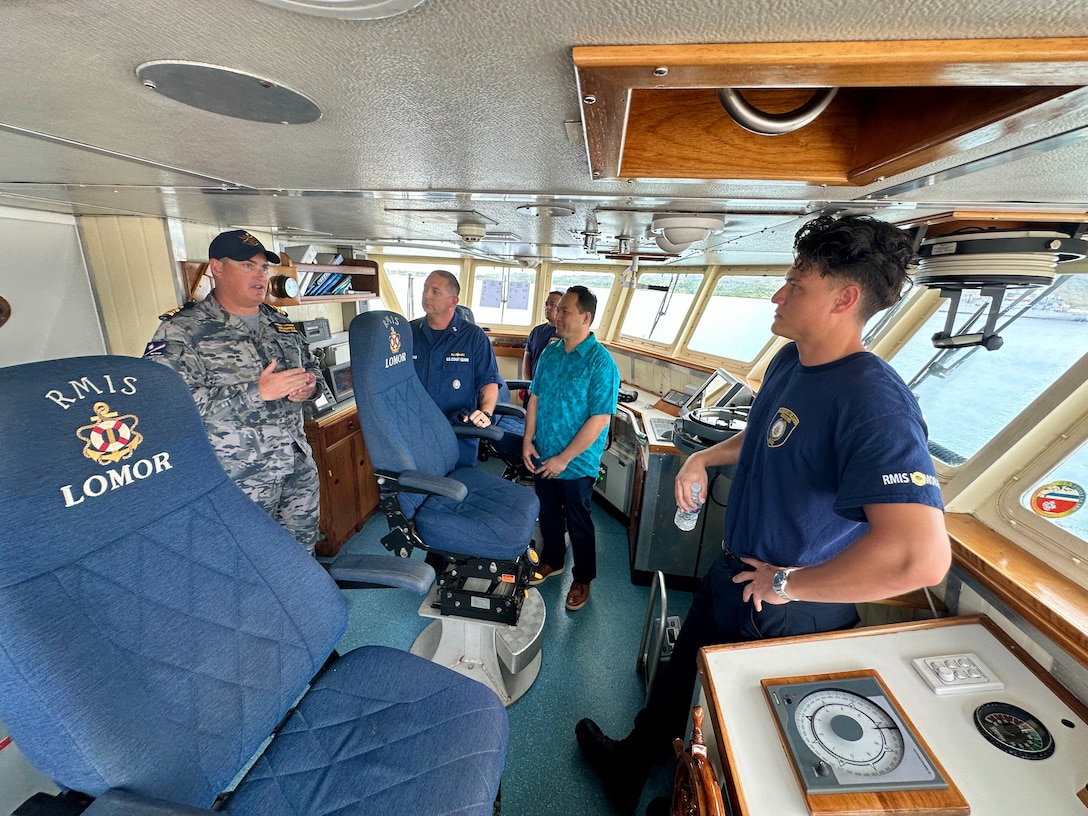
(861, 249)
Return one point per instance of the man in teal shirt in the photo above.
(571, 400)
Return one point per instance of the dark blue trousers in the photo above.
(719, 615)
(564, 507)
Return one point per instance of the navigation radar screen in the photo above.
(1014, 730)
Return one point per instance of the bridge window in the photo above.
(658, 306)
(599, 283)
(736, 322)
(969, 394)
(407, 281)
(503, 295)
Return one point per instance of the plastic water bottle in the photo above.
(685, 520)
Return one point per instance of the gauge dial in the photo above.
(849, 731)
(284, 286)
(1014, 730)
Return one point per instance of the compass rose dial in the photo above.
(849, 731)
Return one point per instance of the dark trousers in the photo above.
(719, 615)
(564, 507)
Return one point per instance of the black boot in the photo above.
(622, 768)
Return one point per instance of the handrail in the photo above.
(751, 118)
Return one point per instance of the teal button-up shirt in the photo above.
(570, 387)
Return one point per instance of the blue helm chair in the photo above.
(488, 622)
(157, 626)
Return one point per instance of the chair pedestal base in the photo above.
(504, 658)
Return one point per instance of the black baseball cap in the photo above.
(239, 245)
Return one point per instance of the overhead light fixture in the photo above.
(681, 230)
(347, 9)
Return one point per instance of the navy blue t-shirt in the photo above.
(822, 442)
(538, 338)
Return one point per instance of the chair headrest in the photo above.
(404, 429)
(381, 349)
(466, 313)
(104, 443)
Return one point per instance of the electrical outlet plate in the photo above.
(956, 673)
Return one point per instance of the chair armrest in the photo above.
(382, 571)
(463, 431)
(518, 385)
(124, 803)
(506, 409)
(415, 481)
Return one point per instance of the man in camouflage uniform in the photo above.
(250, 371)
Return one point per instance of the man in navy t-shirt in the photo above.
(835, 500)
(540, 336)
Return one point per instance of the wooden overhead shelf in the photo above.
(363, 275)
(653, 111)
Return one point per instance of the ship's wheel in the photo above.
(695, 790)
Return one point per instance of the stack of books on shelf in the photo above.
(312, 283)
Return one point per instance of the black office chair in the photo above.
(156, 626)
(487, 622)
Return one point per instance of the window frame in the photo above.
(732, 364)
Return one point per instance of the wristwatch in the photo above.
(779, 583)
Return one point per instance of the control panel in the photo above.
(956, 674)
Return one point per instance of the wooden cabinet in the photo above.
(349, 493)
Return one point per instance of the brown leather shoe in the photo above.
(578, 596)
(543, 573)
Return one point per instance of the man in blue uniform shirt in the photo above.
(835, 500)
(571, 401)
(454, 360)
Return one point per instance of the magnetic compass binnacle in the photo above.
(1014, 730)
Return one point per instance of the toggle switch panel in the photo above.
(956, 674)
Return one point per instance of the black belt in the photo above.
(733, 562)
